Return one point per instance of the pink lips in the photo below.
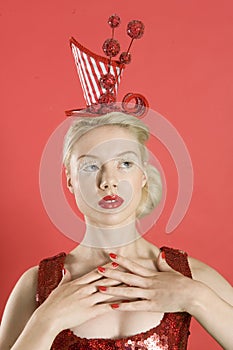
(111, 202)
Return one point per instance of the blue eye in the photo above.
(90, 168)
(126, 164)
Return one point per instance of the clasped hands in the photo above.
(124, 285)
(144, 289)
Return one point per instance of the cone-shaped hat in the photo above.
(100, 76)
(91, 67)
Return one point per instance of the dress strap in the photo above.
(49, 276)
(178, 260)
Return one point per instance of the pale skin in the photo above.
(141, 276)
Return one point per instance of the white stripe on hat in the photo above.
(97, 72)
(90, 69)
(91, 76)
(88, 84)
(75, 53)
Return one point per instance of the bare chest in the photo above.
(117, 324)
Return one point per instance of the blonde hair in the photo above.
(152, 191)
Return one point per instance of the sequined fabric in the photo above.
(171, 334)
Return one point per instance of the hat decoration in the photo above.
(100, 76)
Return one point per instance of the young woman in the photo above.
(115, 290)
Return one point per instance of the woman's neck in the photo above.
(125, 240)
(99, 242)
(110, 237)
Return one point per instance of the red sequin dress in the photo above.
(171, 334)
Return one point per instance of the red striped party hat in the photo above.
(91, 68)
(100, 76)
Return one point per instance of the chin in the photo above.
(111, 220)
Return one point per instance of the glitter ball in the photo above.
(108, 97)
(135, 29)
(107, 81)
(125, 57)
(114, 21)
(111, 47)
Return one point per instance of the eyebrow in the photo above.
(117, 155)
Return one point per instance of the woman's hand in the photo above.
(75, 302)
(25, 327)
(165, 290)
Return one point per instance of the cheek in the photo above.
(137, 180)
(87, 182)
(85, 191)
(131, 189)
(138, 183)
(138, 189)
(82, 201)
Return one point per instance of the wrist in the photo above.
(44, 320)
(198, 298)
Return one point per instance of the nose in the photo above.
(107, 179)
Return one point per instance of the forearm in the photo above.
(38, 333)
(213, 313)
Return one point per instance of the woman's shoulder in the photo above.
(52, 263)
(26, 286)
(28, 282)
(28, 278)
(212, 278)
(201, 271)
(21, 303)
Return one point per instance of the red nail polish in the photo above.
(163, 255)
(114, 306)
(113, 256)
(115, 265)
(102, 288)
(101, 269)
(63, 272)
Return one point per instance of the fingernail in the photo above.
(102, 288)
(101, 269)
(163, 255)
(115, 265)
(113, 256)
(115, 306)
(63, 272)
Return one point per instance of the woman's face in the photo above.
(106, 176)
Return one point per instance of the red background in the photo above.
(183, 65)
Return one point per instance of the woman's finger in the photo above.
(90, 276)
(127, 292)
(132, 266)
(124, 277)
(97, 298)
(91, 288)
(141, 305)
(108, 282)
(66, 277)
